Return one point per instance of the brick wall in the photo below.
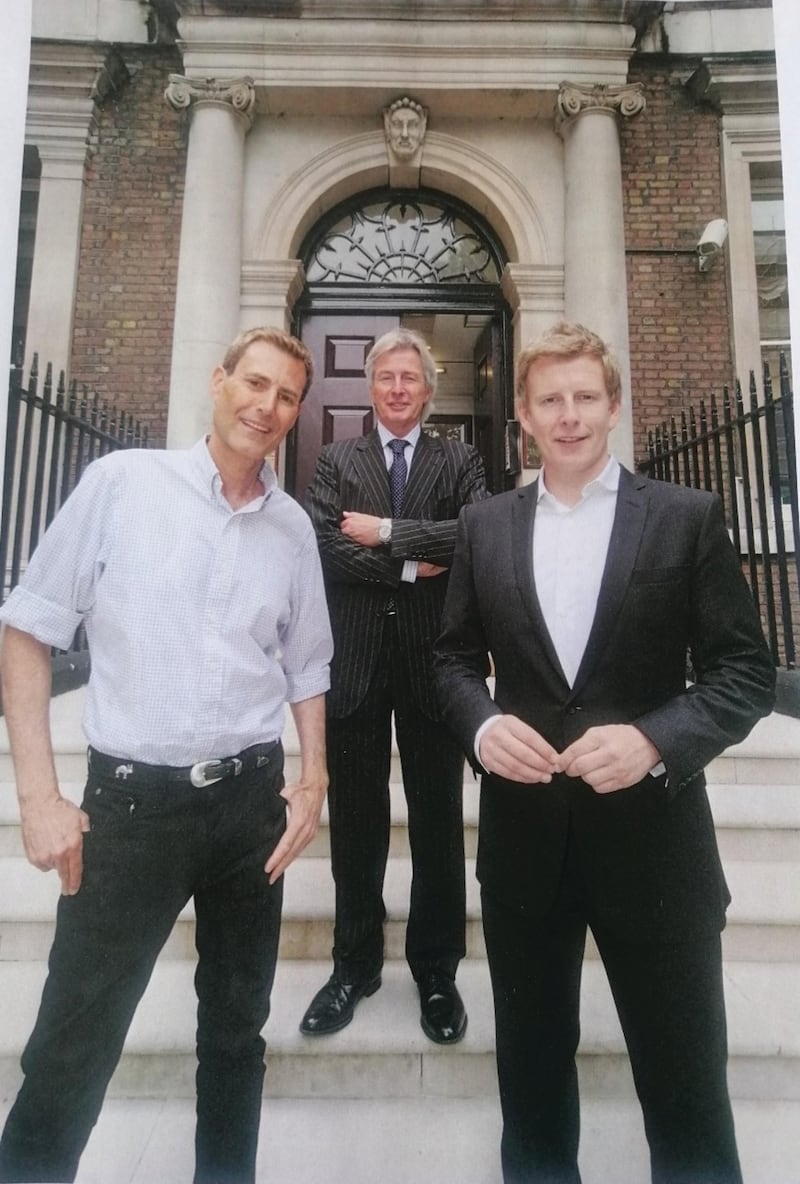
(129, 249)
(679, 319)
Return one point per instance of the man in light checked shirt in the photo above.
(198, 581)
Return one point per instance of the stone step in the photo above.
(769, 755)
(763, 920)
(409, 1141)
(759, 822)
(384, 1052)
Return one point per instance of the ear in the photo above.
(218, 376)
(616, 409)
(523, 417)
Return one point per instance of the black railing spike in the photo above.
(739, 442)
(783, 370)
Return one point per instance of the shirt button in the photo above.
(573, 710)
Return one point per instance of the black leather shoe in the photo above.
(332, 1007)
(443, 1017)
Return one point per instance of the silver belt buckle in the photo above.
(200, 775)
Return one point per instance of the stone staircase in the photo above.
(379, 1102)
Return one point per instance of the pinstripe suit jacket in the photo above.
(361, 582)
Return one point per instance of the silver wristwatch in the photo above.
(385, 530)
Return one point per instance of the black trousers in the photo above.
(150, 849)
(359, 753)
(669, 999)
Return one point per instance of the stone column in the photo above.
(66, 85)
(595, 279)
(209, 264)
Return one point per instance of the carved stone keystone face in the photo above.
(405, 122)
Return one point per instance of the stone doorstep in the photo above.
(763, 920)
(361, 1141)
(776, 736)
(774, 741)
(771, 808)
(384, 1052)
(764, 893)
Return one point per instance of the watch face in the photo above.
(385, 532)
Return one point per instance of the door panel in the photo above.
(490, 417)
(338, 405)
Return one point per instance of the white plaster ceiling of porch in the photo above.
(449, 165)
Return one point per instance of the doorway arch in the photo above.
(418, 258)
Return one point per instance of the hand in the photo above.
(512, 749)
(52, 832)
(614, 756)
(424, 570)
(304, 804)
(361, 528)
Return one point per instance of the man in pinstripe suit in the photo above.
(384, 508)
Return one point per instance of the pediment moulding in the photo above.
(66, 75)
(293, 55)
(623, 11)
(737, 86)
(237, 93)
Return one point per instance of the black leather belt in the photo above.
(199, 775)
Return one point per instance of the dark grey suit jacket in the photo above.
(672, 587)
(361, 581)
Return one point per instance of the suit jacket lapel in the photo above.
(425, 467)
(370, 464)
(522, 520)
(623, 547)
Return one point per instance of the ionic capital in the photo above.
(575, 99)
(237, 93)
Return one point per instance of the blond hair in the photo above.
(569, 340)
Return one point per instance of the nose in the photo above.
(266, 400)
(569, 409)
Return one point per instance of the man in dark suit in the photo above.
(589, 588)
(384, 508)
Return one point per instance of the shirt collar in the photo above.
(203, 465)
(605, 482)
(412, 437)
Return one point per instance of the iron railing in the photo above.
(50, 439)
(745, 451)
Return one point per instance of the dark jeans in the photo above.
(150, 849)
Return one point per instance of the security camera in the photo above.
(710, 242)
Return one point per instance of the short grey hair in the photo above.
(403, 339)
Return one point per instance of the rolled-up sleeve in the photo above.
(307, 643)
(57, 589)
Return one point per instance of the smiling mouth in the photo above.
(256, 427)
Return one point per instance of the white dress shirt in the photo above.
(409, 573)
(202, 621)
(570, 545)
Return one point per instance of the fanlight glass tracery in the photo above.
(402, 241)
